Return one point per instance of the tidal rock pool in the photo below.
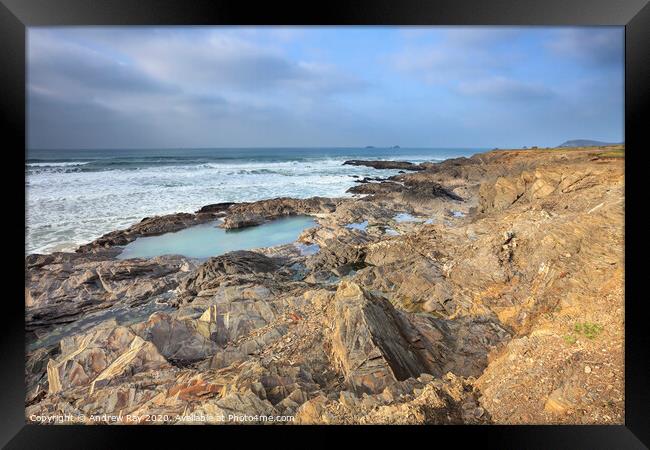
(206, 240)
(361, 226)
(406, 217)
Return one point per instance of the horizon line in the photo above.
(260, 147)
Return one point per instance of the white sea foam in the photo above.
(57, 164)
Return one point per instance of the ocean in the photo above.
(75, 196)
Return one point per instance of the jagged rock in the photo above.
(532, 185)
(180, 341)
(368, 342)
(242, 220)
(208, 274)
(226, 322)
(446, 401)
(96, 358)
(404, 165)
(36, 372)
(383, 187)
(235, 406)
(424, 191)
(215, 208)
(336, 253)
(414, 283)
(254, 213)
(376, 345)
(67, 286)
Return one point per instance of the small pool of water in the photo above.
(361, 226)
(406, 217)
(206, 240)
(308, 249)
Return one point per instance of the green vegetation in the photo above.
(587, 329)
(613, 154)
(570, 339)
(611, 151)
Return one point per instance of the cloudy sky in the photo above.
(132, 87)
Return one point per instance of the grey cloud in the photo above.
(58, 124)
(177, 88)
(139, 88)
(226, 61)
(456, 54)
(70, 70)
(167, 62)
(590, 45)
(501, 88)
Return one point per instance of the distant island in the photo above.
(586, 143)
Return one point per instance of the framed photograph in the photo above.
(411, 216)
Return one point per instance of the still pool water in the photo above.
(206, 240)
(361, 226)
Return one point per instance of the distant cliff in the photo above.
(585, 143)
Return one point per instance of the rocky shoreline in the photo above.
(476, 290)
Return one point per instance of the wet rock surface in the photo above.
(476, 290)
(379, 164)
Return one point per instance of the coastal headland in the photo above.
(481, 290)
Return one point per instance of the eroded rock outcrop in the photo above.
(65, 288)
(243, 215)
(369, 342)
(376, 345)
(209, 274)
(97, 358)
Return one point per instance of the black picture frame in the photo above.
(16, 15)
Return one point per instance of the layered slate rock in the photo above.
(243, 215)
(242, 262)
(337, 254)
(376, 345)
(242, 220)
(533, 185)
(180, 341)
(63, 288)
(215, 208)
(96, 358)
(368, 342)
(383, 187)
(450, 400)
(225, 322)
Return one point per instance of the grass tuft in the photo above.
(587, 329)
(570, 339)
(613, 154)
